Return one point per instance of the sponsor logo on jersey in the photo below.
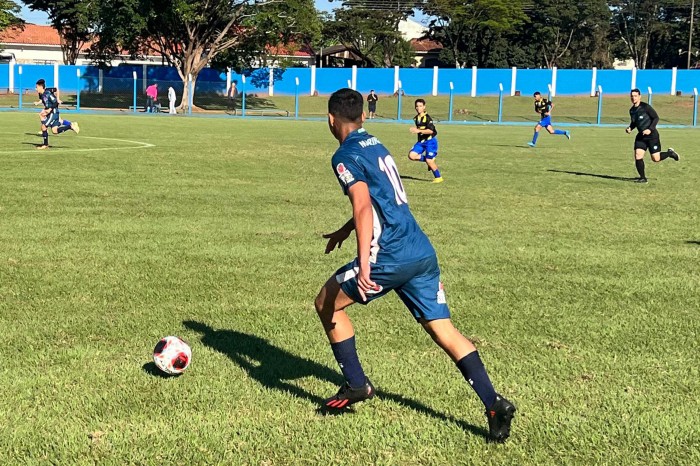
(344, 174)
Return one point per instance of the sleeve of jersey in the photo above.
(348, 170)
(654, 117)
(430, 125)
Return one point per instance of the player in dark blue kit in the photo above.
(49, 116)
(544, 108)
(393, 254)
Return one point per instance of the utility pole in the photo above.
(690, 36)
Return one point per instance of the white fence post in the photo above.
(100, 78)
(271, 83)
(55, 75)
(634, 77)
(554, 81)
(674, 73)
(11, 71)
(312, 91)
(228, 80)
(396, 79)
(473, 81)
(593, 81)
(513, 77)
(435, 80)
(354, 78)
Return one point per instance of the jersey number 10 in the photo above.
(388, 166)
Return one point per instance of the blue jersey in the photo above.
(49, 100)
(397, 238)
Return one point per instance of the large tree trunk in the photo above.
(191, 64)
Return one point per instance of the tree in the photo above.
(636, 22)
(567, 33)
(470, 29)
(74, 21)
(189, 34)
(8, 14)
(371, 33)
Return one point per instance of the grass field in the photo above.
(581, 290)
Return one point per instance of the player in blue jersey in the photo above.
(544, 108)
(393, 254)
(426, 149)
(49, 116)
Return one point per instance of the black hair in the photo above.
(419, 100)
(636, 90)
(346, 104)
(536, 94)
(41, 83)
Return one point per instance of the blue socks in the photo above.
(534, 138)
(45, 135)
(346, 355)
(436, 173)
(474, 372)
(559, 131)
(64, 127)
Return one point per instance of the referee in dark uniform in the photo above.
(644, 118)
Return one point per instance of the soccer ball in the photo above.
(172, 355)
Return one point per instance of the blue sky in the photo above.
(39, 17)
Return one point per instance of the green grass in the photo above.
(580, 289)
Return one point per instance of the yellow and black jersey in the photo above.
(423, 121)
(543, 107)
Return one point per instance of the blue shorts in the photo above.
(52, 120)
(426, 150)
(417, 284)
(546, 121)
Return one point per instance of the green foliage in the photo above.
(9, 12)
(73, 19)
(372, 35)
(471, 29)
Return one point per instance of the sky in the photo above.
(39, 17)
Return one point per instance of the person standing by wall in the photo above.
(171, 101)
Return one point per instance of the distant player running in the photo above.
(544, 107)
(393, 253)
(49, 116)
(426, 149)
(644, 118)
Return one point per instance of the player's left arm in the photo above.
(654, 119)
(550, 107)
(364, 229)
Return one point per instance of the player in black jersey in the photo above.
(644, 118)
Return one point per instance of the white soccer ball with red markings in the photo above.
(172, 355)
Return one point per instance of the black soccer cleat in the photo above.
(500, 415)
(641, 180)
(673, 154)
(347, 396)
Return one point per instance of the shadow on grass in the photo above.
(151, 369)
(693, 242)
(274, 367)
(595, 175)
(413, 178)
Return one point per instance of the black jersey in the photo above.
(543, 107)
(643, 117)
(423, 121)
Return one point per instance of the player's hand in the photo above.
(335, 239)
(628, 130)
(365, 283)
(414, 130)
(646, 132)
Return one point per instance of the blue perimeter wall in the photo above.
(415, 81)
